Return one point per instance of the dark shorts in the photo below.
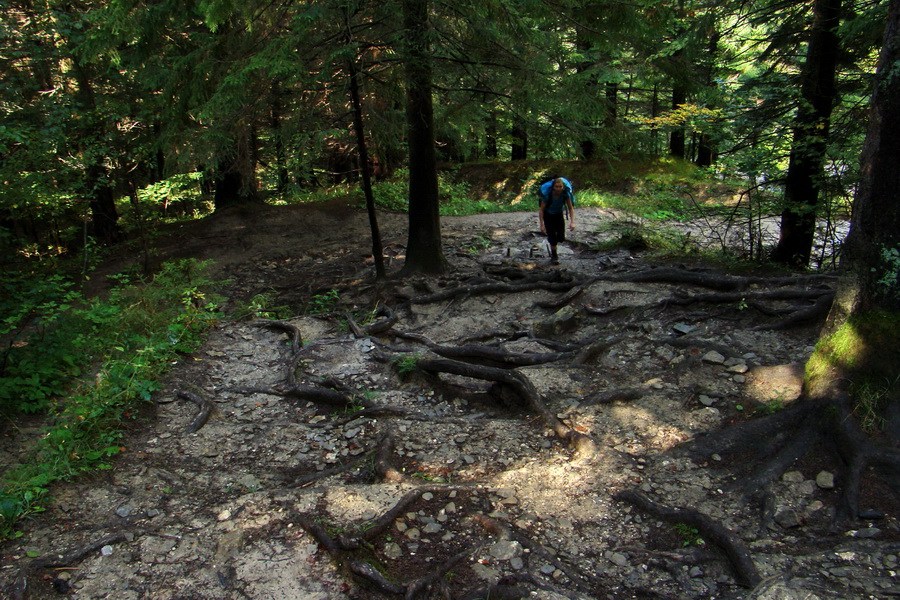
(556, 228)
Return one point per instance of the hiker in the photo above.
(557, 199)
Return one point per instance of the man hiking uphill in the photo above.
(557, 199)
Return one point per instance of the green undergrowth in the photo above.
(86, 366)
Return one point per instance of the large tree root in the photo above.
(493, 356)
(20, 589)
(791, 434)
(342, 547)
(715, 280)
(737, 553)
(582, 444)
(494, 288)
(204, 409)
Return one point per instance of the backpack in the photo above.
(546, 184)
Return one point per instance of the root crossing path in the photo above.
(512, 430)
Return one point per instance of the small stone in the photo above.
(683, 328)
(432, 528)
(739, 368)
(393, 550)
(787, 517)
(106, 550)
(706, 400)
(618, 559)
(713, 357)
(792, 477)
(413, 533)
(867, 533)
(427, 496)
(225, 515)
(825, 480)
(516, 563)
(450, 508)
(695, 572)
(547, 569)
(739, 379)
(124, 510)
(485, 572)
(506, 549)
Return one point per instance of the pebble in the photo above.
(714, 358)
(125, 510)
(505, 549)
(825, 480)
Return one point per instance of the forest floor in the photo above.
(281, 495)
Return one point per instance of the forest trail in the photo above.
(487, 496)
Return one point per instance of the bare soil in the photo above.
(505, 506)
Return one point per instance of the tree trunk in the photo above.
(677, 146)
(804, 177)
(104, 216)
(868, 299)
(519, 139)
(363, 152)
(424, 253)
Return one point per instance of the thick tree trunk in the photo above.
(519, 139)
(867, 305)
(104, 216)
(804, 177)
(677, 146)
(424, 253)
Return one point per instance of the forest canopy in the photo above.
(116, 116)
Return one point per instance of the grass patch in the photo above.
(106, 358)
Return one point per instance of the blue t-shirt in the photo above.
(556, 205)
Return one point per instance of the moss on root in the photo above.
(862, 357)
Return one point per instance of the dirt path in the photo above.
(220, 513)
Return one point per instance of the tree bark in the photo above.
(424, 253)
(364, 165)
(868, 296)
(811, 130)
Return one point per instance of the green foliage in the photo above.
(690, 536)
(891, 271)
(406, 365)
(126, 342)
(638, 236)
(479, 243)
(261, 306)
(323, 303)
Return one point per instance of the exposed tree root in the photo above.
(817, 312)
(791, 434)
(582, 444)
(296, 337)
(565, 298)
(205, 408)
(610, 396)
(20, 590)
(494, 288)
(493, 356)
(383, 466)
(341, 548)
(305, 480)
(737, 553)
(716, 280)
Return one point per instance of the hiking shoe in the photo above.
(554, 261)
